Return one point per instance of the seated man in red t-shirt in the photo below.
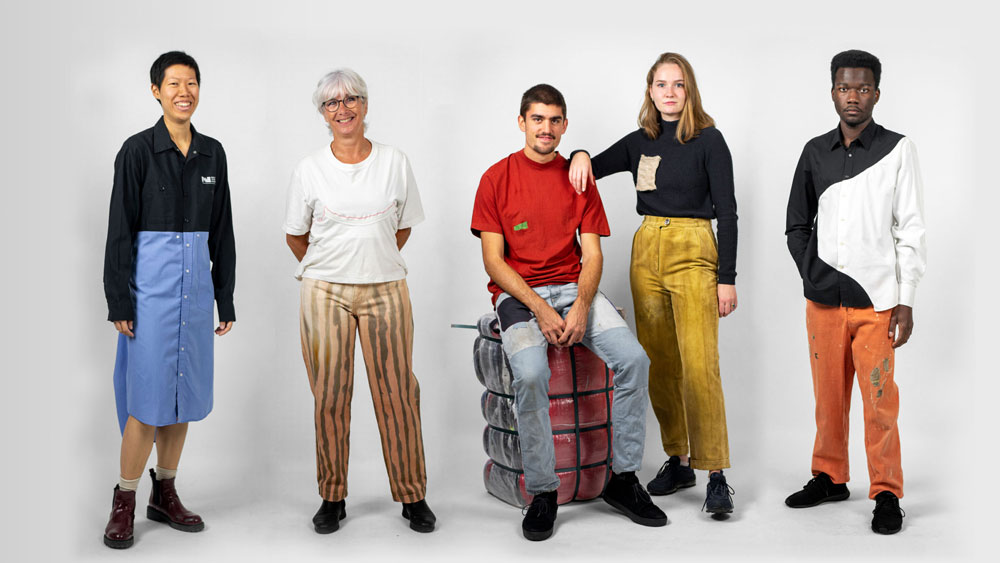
(544, 286)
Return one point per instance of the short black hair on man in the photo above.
(856, 59)
(169, 59)
(542, 94)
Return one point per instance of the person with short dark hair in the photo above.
(682, 281)
(170, 254)
(545, 289)
(855, 229)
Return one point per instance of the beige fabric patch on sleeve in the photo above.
(645, 178)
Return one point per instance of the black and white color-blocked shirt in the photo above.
(855, 222)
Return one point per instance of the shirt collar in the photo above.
(864, 139)
(163, 142)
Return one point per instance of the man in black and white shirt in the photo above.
(856, 232)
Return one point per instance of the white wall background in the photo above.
(445, 80)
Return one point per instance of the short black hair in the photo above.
(856, 59)
(169, 59)
(542, 94)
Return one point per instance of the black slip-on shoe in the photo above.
(625, 493)
(719, 499)
(671, 477)
(888, 517)
(818, 490)
(541, 516)
(420, 516)
(328, 517)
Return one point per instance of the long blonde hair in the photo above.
(693, 117)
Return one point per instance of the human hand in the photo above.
(224, 328)
(902, 317)
(550, 323)
(125, 327)
(580, 173)
(576, 326)
(727, 299)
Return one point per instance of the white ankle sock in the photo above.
(162, 473)
(128, 484)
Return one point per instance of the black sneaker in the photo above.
(818, 490)
(328, 517)
(888, 517)
(538, 522)
(625, 493)
(671, 476)
(719, 499)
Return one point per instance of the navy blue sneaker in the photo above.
(718, 499)
(671, 476)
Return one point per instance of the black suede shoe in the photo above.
(329, 515)
(671, 476)
(420, 516)
(888, 517)
(818, 490)
(625, 493)
(718, 499)
(538, 522)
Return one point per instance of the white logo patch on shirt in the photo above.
(208, 179)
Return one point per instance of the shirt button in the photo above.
(182, 348)
(189, 271)
(182, 374)
(849, 155)
(186, 221)
(178, 236)
(183, 323)
(194, 152)
(188, 244)
(185, 297)
(847, 175)
(163, 188)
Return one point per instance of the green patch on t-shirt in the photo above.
(521, 226)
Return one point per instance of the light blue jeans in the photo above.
(607, 336)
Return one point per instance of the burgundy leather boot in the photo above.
(118, 533)
(165, 506)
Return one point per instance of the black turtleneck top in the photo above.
(694, 179)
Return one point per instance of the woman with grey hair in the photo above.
(350, 209)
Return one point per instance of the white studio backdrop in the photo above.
(445, 80)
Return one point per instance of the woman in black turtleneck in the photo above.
(682, 281)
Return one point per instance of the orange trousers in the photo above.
(844, 341)
(331, 314)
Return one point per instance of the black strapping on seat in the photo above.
(607, 404)
(577, 430)
(576, 421)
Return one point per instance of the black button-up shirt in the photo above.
(157, 188)
(825, 163)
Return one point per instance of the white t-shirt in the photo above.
(352, 213)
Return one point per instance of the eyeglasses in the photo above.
(350, 102)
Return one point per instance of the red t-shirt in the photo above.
(536, 210)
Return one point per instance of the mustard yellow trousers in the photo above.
(674, 290)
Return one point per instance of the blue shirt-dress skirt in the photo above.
(170, 253)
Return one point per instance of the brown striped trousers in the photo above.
(330, 315)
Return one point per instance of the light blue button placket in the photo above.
(183, 356)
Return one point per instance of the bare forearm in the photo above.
(513, 284)
(298, 244)
(590, 279)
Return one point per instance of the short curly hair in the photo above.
(856, 59)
